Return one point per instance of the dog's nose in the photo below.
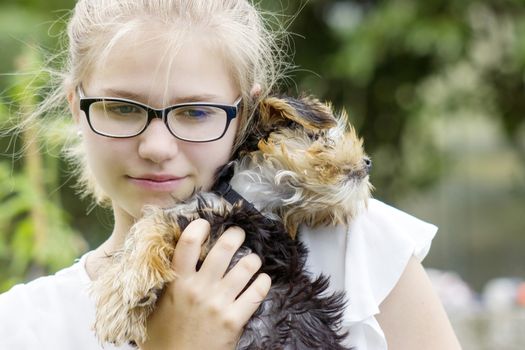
(368, 164)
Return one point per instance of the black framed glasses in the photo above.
(123, 118)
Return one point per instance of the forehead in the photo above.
(162, 66)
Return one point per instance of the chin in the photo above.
(167, 200)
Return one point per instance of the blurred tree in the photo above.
(35, 233)
(36, 28)
(22, 26)
(396, 64)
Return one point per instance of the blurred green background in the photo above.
(435, 87)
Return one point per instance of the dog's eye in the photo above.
(326, 142)
(329, 142)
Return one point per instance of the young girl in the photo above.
(165, 53)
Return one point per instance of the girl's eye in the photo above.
(196, 113)
(124, 109)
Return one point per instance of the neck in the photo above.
(98, 259)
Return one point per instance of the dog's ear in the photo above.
(308, 112)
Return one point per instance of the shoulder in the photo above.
(375, 247)
(412, 316)
(382, 225)
(381, 241)
(46, 312)
(43, 289)
(366, 260)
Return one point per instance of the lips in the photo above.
(157, 177)
(157, 182)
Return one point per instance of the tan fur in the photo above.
(126, 292)
(325, 167)
(143, 264)
(273, 111)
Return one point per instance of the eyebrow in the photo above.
(110, 92)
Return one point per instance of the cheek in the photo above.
(104, 156)
(207, 157)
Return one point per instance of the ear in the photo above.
(308, 112)
(74, 105)
(256, 90)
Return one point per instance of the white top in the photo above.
(366, 259)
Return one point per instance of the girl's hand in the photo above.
(203, 309)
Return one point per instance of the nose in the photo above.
(157, 143)
(368, 164)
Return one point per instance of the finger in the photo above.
(238, 277)
(216, 263)
(248, 302)
(189, 247)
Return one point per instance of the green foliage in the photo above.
(399, 66)
(35, 231)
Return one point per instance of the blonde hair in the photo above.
(255, 54)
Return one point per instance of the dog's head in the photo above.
(309, 166)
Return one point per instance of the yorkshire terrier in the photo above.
(301, 164)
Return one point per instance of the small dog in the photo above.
(300, 165)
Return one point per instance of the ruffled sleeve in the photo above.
(379, 246)
(367, 265)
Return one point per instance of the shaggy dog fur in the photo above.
(300, 165)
